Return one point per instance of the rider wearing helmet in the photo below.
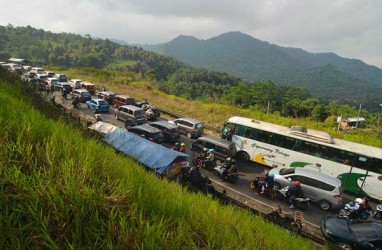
(176, 146)
(182, 148)
(295, 191)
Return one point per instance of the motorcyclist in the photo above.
(64, 93)
(76, 102)
(230, 167)
(365, 209)
(268, 182)
(182, 148)
(176, 146)
(295, 191)
(210, 157)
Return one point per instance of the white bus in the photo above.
(358, 166)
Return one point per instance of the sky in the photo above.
(349, 28)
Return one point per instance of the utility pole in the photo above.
(359, 111)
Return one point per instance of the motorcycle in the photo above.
(378, 213)
(269, 192)
(193, 176)
(231, 177)
(76, 103)
(288, 219)
(283, 194)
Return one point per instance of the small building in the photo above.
(351, 122)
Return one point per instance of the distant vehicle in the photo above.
(170, 131)
(223, 148)
(151, 112)
(192, 128)
(50, 74)
(82, 94)
(321, 188)
(352, 235)
(75, 83)
(52, 82)
(38, 70)
(89, 87)
(98, 105)
(120, 100)
(148, 132)
(64, 85)
(61, 77)
(130, 112)
(107, 96)
(358, 166)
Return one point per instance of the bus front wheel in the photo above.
(243, 156)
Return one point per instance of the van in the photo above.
(190, 127)
(120, 100)
(89, 87)
(75, 83)
(223, 148)
(82, 94)
(130, 112)
(321, 188)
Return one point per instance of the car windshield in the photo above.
(102, 103)
(364, 231)
(285, 171)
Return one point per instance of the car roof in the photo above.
(165, 124)
(131, 107)
(189, 119)
(75, 80)
(215, 140)
(81, 90)
(124, 96)
(317, 175)
(147, 128)
(108, 92)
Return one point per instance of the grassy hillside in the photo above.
(62, 189)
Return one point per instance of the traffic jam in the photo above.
(213, 162)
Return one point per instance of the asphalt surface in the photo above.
(247, 172)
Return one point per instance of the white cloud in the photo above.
(350, 28)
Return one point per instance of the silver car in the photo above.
(321, 188)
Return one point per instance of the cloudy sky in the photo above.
(349, 28)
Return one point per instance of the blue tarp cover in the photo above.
(152, 155)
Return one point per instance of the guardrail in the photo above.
(177, 115)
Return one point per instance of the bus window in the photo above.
(361, 162)
(288, 142)
(248, 133)
(240, 130)
(311, 148)
(263, 136)
(375, 165)
(297, 145)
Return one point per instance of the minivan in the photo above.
(148, 132)
(82, 94)
(75, 83)
(130, 112)
(223, 148)
(170, 131)
(321, 188)
(120, 100)
(190, 127)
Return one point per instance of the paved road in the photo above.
(247, 172)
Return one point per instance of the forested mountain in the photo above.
(44, 48)
(324, 74)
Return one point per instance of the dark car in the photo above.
(170, 131)
(82, 94)
(107, 96)
(151, 112)
(148, 132)
(352, 235)
(223, 148)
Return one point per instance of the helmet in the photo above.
(177, 144)
(228, 159)
(358, 200)
(205, 149)
(182, 144)
(297, 183)
(211, 150)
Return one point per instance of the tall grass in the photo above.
(60, 189)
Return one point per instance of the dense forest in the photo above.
(44, 48)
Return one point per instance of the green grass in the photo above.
(62, 189)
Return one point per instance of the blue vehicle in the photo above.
(99, 105)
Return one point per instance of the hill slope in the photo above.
(326, 75)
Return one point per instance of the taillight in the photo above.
(152, 139)
(338, 196)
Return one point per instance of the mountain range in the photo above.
(325, 75)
